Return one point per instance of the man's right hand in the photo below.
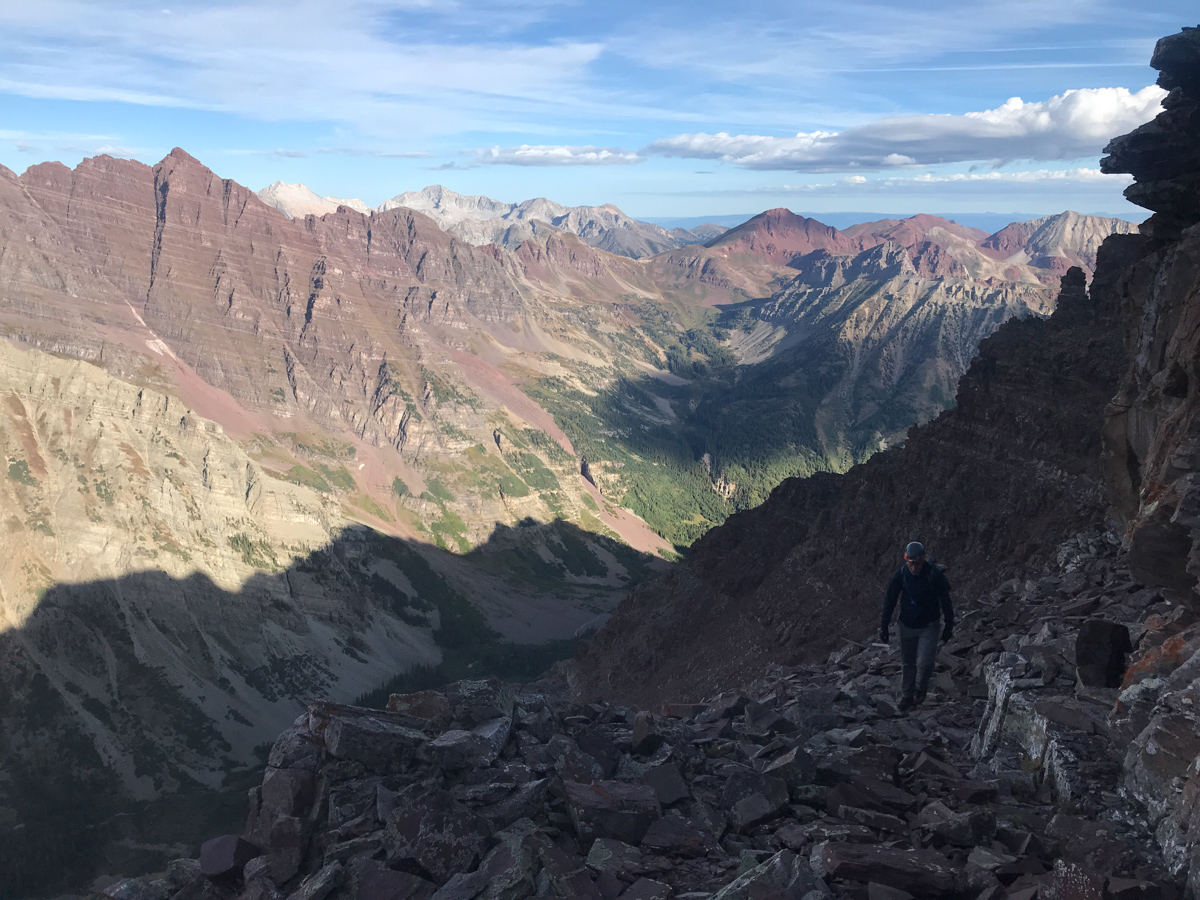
(883, 635)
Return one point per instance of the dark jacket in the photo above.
(926, 597)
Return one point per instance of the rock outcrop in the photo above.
(1152, 442)
(1163, 155)
(1152, 431)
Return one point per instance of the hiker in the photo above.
(926, 595)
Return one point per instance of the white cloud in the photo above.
(555, 155)
(1083, 181)
(368, 63)
(1036, 176)
(1072, 125)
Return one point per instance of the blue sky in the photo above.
(666, 109)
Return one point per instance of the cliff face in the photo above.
(1152, 430)
(1152, 459)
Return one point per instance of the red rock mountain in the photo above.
(779, 236)
(938, 247)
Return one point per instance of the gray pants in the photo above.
(918, 648)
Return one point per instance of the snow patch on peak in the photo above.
(298, 200)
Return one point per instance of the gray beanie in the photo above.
(915, 550)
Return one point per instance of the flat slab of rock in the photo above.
(783, 875)
(676, 836)
(422, 704)
(616, 858)
(668, 785)
(372, 880)
(478, 748)
(612, 809)
(647, 889)
(374, 741)
(923, 873)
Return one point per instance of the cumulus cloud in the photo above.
(383, 66)
(1080, 181)
(555, 155)
(1072, 125)
(1036, 176)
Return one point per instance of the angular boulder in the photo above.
(374, 741)
(666, 782)
(923, 873)
(795, 767)
(611, 809)
(475, 749)
(476, 702)
(616, 858)
(676, 836)
(510, 868)
(224, 857)
(430, 830)
(783, 875)
(372, 880)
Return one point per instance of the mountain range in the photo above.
(251, 458)
(481, 220)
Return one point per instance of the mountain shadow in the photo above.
(843, 360)
(136, 711)
(994, 487)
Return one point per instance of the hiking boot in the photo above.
(919, 698)
(906, 703)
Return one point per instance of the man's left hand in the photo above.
(947, 632)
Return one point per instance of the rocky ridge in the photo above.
(1037, 251)
(1054, 705)
(1145, 291)
(1056, 242)
(480, 220)
(992, 485)
(806, 784)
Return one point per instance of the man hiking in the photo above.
(926, 594)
